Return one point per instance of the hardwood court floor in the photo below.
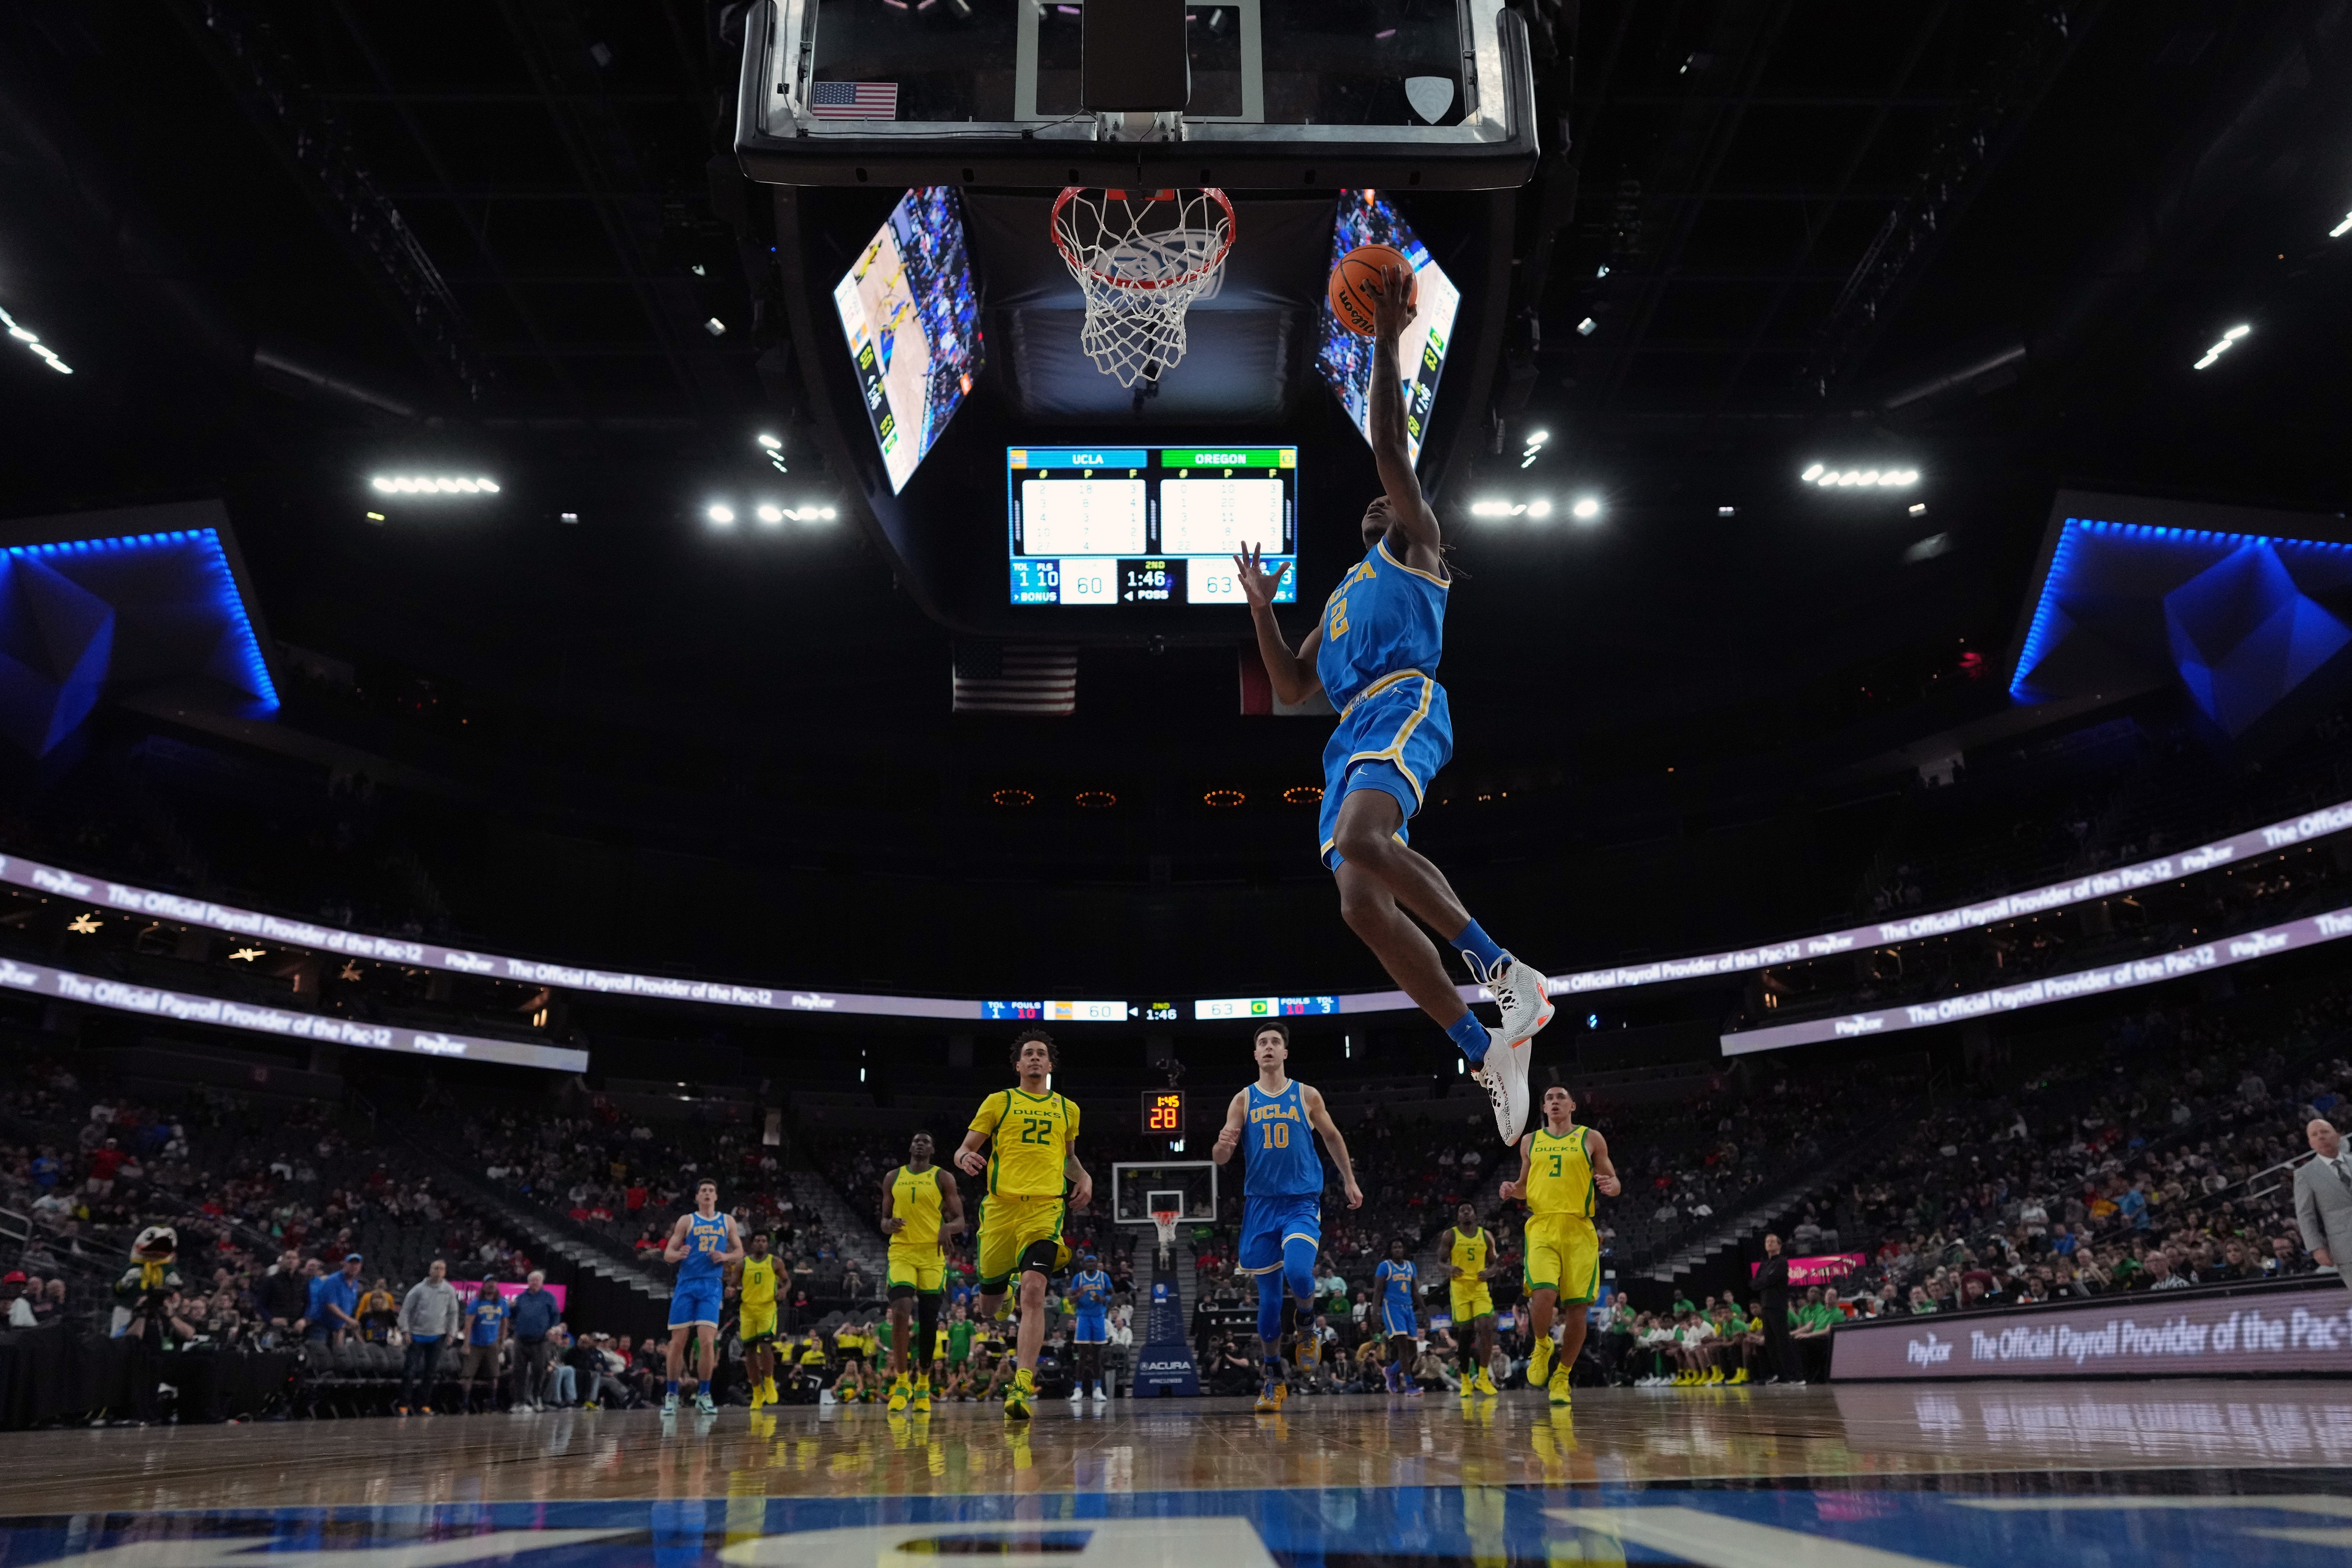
(1615, 1439)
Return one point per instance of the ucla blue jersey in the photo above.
(1279, 1145)
(705, 1241)
(1396, 1281)
(1384, 619)
(1090, 1293)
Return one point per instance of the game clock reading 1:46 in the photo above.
(1163, 1112)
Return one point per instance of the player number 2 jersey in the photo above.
(1029, 1138)
(1560, 1175)
(1279, 1145)
(915, 1198)
(1384, 618)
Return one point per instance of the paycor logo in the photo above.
(1928, 1352)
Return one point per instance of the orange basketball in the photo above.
(1355, 285)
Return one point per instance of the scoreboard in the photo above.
(1163, 1112)
(1148, 525)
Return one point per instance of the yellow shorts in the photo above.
(924, 1268)
(1564, 1254)
(1470, 1300)
(1009, 1226)
(759, 1322)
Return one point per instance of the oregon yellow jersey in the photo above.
(1029, 1139)
(1560, 1175)
(760, 1281)
(1467, 1253)
(915, 1198)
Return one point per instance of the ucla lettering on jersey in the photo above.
(1384, 618)
(1279, 1145)
(705, 1241)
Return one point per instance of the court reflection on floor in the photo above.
(1615, 1439)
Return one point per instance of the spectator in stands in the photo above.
(333, 1310)
(20, 1311)
(284, 1295)
(562, 1389)
(2323, 1197)
(485, 1335)
(379, 1311)
(532, 1317)
(429, 1318)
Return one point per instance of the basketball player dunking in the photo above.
(702, 1244)
(1282, 1200)
(1375, 653)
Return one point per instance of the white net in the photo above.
(1164, 1221)
(1142, 258)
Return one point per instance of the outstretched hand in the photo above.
(1392, 302)
(1257, 583)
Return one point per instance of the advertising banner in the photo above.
(2271, 1333)
(1824, 1269)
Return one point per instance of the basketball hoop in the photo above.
(1164, 1221)
(1142, 258)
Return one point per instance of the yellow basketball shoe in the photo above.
(1021, 1395)
(920, 1402)
(1539, 1364)
(901, 1392)
(1270, 1397)
(1484, 1382)
(1556, 1390)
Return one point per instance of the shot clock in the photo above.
(1163, 1112)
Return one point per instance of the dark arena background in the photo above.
(607, 599)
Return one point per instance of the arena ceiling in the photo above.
(286, 246)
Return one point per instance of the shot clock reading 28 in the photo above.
(1163, 1112)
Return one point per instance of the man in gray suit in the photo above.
(2323, 1198)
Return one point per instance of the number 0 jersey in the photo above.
(1279, 1145)
(1029, 1139)
(760, 1281)
(1560, 1175)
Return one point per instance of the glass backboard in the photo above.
(1191, 1185)
(1324, 93)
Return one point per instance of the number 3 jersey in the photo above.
(1560, 1176)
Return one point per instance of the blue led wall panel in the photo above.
(2247, 614)
(94, 601)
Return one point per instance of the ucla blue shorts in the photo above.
(1091, 1328)
(1270, 1220)
(694, 1302)
(1395, 738)
(1398, 1318)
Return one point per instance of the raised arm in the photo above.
(1604, 1174)
(1318, 1116)
(1411, 522)
(1229, 1137)
(950, 1207)
(1292, 675)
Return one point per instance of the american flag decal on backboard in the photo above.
(1034, 678)
(854, 100)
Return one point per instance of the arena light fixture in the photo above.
(721, 513)
(1919, 508)
(433, 484)
(715, 327)
(768, 441)
(2340, 230)
(770, 513)
(32, 340)
(1726, 511)
(1587, 507)
(2223, 345)
(1492, 507)
(1539, 510)
(1586, 328)
(1859, 478)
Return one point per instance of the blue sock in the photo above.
(673, 1389)
(1484, 958)
(1471, 1035)
(1269, 1307)
(703, 1388)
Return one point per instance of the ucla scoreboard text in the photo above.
(1148, 525)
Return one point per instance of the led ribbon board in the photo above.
(39, 981)
(2124, 976)
(101, 893)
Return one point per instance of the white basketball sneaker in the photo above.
(1519, 992)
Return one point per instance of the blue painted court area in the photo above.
(2166, 1517)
